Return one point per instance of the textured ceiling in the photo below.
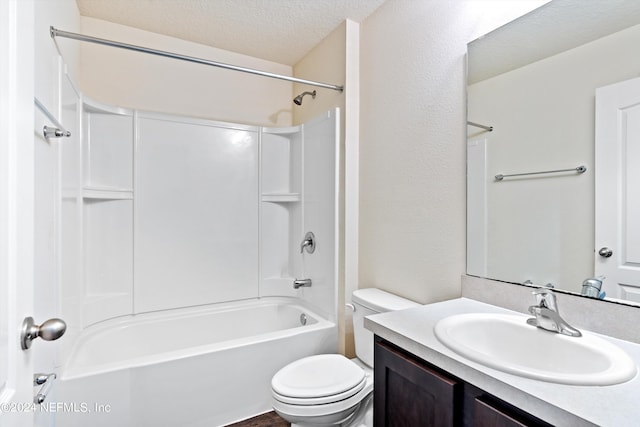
(553, 28)
(282, 31)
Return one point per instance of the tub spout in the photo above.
(301, 283)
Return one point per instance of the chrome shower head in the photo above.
(298, 99)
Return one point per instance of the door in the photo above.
(28, 270)
(16, 209)
(617, 189)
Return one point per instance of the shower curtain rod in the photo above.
(59, 33)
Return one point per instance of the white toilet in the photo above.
(329, 389)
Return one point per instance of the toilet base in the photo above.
(364, 416)
(361, 417)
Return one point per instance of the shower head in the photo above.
(298, 99)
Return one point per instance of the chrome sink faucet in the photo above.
(547, 316)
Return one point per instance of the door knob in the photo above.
(605, 252)
(50, 330)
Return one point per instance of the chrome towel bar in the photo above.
(579, 169)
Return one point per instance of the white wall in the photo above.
(543, 118)
(412, 142)
(148, 82)
(324, 63)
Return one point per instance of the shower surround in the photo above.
(168, 213)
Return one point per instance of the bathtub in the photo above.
(206, 366)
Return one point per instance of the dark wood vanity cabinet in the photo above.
(406, 391)
(409, 392)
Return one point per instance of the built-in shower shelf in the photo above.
(292, 130)
(281, 197)
(106, 193)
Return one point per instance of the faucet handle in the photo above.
(309, 243)
(545, 298)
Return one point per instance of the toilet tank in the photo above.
(372, 301)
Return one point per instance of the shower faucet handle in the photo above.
(309, 243)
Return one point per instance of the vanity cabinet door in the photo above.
(409, 393)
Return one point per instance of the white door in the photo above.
(617, 189)
(16, 209)
(21, 224)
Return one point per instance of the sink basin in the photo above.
(509, 344)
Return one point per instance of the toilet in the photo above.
(329, 389)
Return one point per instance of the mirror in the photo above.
(534, 82)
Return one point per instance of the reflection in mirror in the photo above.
(535, 82)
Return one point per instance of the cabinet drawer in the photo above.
(488, 413)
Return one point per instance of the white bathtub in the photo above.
(207, 366)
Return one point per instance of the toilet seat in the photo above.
(334, 412)
(319, 379)
(320, 400)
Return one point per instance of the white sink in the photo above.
(509, 344)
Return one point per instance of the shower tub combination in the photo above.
(181, 241)
(196, 367)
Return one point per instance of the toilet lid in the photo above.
(317, 376)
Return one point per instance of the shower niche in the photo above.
(168, 211)
(107, 210)
(281, 208)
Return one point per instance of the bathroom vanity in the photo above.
(408, 391)
(420, 381)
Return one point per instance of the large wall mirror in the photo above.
(553, 149)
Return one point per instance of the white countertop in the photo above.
(558, 404)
